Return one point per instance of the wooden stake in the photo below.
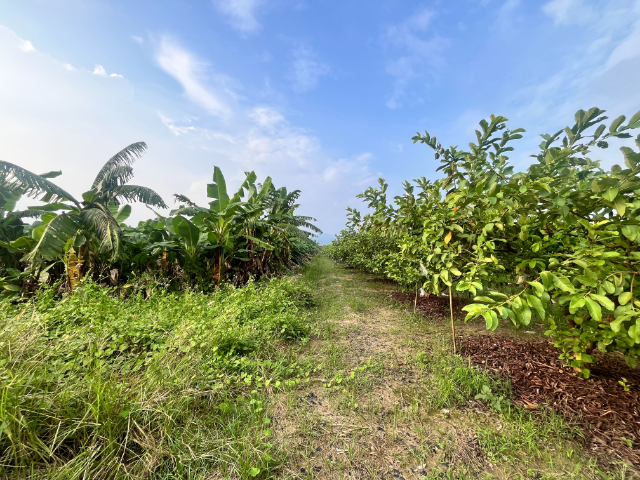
(453, 328)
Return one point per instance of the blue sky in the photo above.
(322, 96)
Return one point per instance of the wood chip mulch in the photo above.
(432, 306)
(600, 405)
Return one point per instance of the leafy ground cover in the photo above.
(158, 385)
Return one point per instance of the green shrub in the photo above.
(565, 231)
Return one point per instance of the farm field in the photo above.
(319, 375)
(297, 240)
(223, 341)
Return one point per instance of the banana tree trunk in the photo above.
(75, 266)
(217, 268)
(163, 262)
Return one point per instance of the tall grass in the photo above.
(173, 386)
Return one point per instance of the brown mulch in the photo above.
(539, 377)
(431, 305)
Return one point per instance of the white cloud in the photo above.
(306, 69)
(417, 52)
(349, 168)
(241, 14)
(27, 46)
(189, 71)
(137, 39)
(569, 12)
(175, 129)
(405, 34)
(69, 67)
(98, 70)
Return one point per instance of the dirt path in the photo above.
(372, 410)
(351, 421)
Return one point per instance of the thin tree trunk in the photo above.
(415, 301)
(453, 328)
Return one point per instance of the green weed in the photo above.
(452, 381)
(172, 386)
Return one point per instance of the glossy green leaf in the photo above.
(563, 283)
(535, 302)
(547, 279)
(634, 333)
(594, 309)
(588, 281)
(620, 204)
(604, 301)
(187, 231)
(624, 298)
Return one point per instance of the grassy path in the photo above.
(388, 400)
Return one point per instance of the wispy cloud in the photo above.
(569, 12)
(266, 117)
(137, 39)
(417, 53)
(629, 48)
(601, 73)
(306, 69)
(240, 14)
(174, 128)
(189, 71)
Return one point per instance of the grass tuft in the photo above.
(452, 381)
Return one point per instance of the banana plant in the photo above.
(252, 232)
(242, 231)
(228, 218)
(15, 235)
(92, 225)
